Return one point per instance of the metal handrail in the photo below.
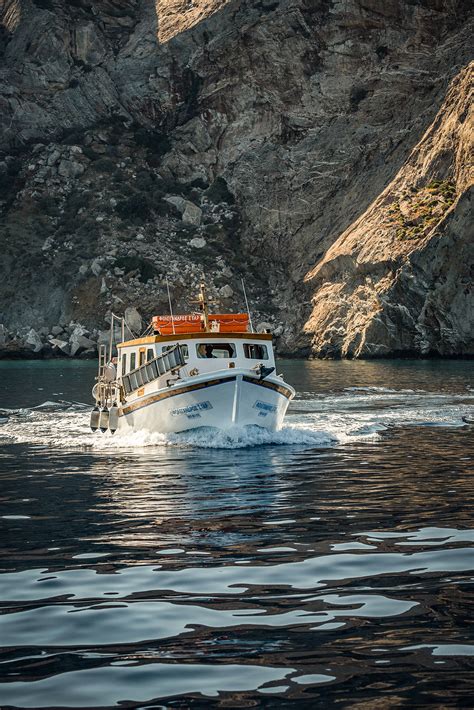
(153, 369)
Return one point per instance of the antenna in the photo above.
(171, 307)
(111, 336)
(247, 305)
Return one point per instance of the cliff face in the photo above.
(141, 140)
(400, 279)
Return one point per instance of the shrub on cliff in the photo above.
(143, 267)
(104, 165)
(145, 180)
(136, 208)
(219, 192)
(156, 143)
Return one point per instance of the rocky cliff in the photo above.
(145, 140)
(401, 278)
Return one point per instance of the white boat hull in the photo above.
(223, 399)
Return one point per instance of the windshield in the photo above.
(209, 350)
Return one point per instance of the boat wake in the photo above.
(312, 421)
(359, 412)
(68, 427)
(244, 437)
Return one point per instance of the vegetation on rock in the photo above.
(418, 212)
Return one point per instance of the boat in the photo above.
(190, 371)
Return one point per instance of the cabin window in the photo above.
(211, 350)
(124, 364)
(141, 357)
(254, 351)
(150, 354)
(184, 350)
(132, 361)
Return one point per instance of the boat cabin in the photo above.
(204, 352)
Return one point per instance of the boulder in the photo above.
(103, 337)
(178, 202)
(133, 320)
(79, 343)
(80, 330)
(198, 242)
(33, 341)
(60, 346)
(56, 330)
(96, 266)
(192, 214)
(53, 157)
(226, 291)
(70, 169)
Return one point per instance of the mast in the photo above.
(204, 305)
(247, 305)
(203, 302)
(171, 307)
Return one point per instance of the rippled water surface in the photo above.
(330, 564)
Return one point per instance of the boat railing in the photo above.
(173, 359)
(105, 390)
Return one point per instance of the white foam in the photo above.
(381, 390)
(244, 437)
(317, 422)
(70, 429)
(210, 438)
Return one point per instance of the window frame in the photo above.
(183, 346)
(264, 347)
(216, 345)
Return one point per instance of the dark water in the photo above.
(328, 565)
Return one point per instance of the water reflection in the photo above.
(229, 578)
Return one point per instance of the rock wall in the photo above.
(400, 279)
(148, 140)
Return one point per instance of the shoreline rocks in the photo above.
(72, 341)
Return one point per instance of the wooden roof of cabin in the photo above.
(220, 337)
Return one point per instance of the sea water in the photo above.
(330, 563)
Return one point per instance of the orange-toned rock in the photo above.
(377, 294)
